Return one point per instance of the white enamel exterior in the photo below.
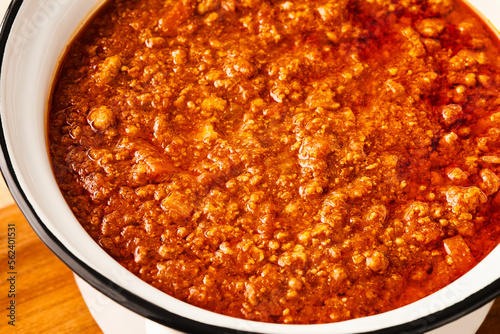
(38, 38)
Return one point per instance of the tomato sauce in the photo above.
(284, 161)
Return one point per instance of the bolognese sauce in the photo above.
(284, 161)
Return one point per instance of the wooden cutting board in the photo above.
(47, 298)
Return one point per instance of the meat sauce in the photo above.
(284, 161)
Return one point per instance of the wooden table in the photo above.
(47, 298)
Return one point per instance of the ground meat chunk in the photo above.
(108, 70)
(314, 148)
(459, 254)
(377, 261)
(413, 43)
(205, 6)
(490, 181)
(431, 27)
(178, 205)
(451, 113)
(101, 118)
(214, 103)
(456, 174)
(420, 226)
(333, 211)
(176, 13)
(322, 99)
(440, 7)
